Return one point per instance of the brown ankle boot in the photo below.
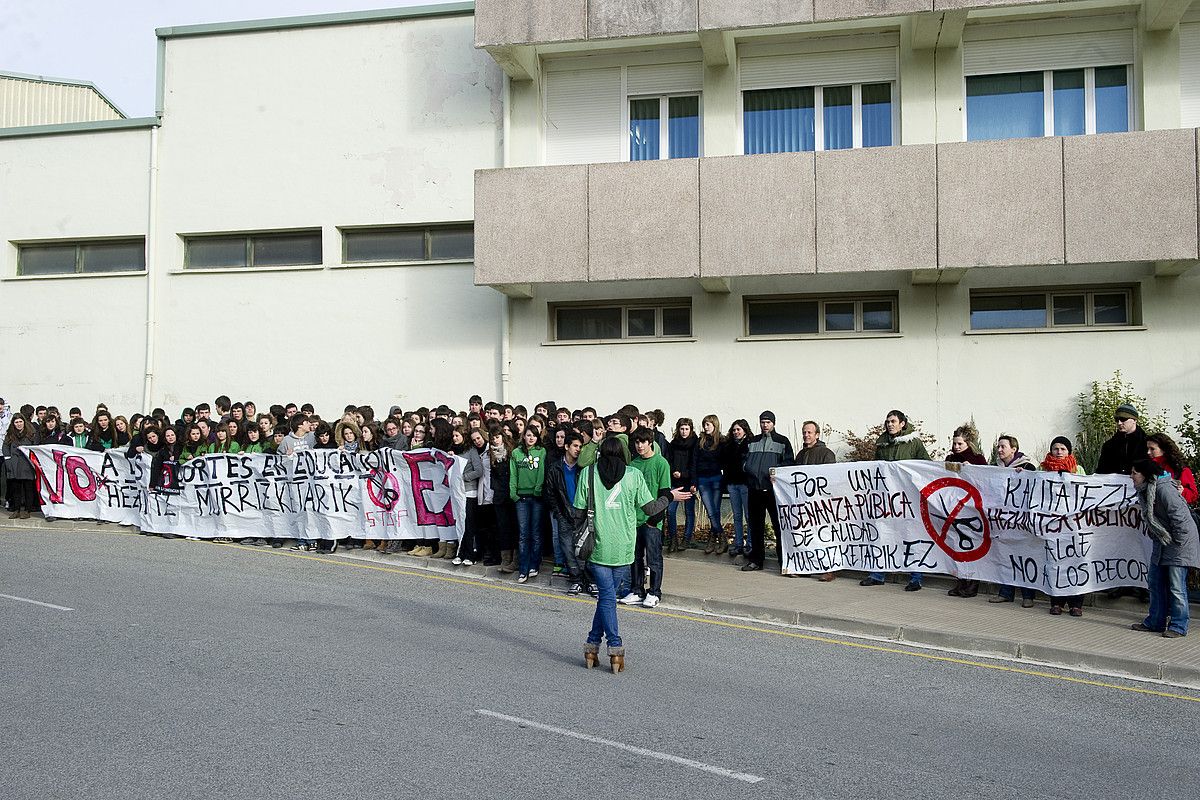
(507, 562)
(591, 655)
(616, 659)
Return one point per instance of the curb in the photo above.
(1015, 649)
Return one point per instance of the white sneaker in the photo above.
(522, 578)
(651, 601)
(456, 561)
(631, 599)
(466, 562)
(533, 573)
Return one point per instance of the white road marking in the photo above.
(35, 602)
(641, 751)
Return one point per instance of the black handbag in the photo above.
(583, 537)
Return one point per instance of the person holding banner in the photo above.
(1061, 458)
(898, 442)
(21, 493)
(1009, 455)
(620, 492)
(764, 453)
(1176, 547)
(961, 452)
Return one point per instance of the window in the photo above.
(422, 243)
(291, 249)
(650, 139)
(1057, 309)
(632, 321)
(807, 118)
(817, 316)
(1061, 102)
(67, 258)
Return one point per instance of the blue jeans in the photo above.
(529, 520)
(1009, 592)
(560, 555)
(648, 553)
(739, 500)
(608, 581)
(710, 496)
(913, 577)
(689, 516)
(1168, 599)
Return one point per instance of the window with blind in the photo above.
(808, 118)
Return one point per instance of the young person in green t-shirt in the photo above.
(648, 551)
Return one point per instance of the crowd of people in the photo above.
(527, 481)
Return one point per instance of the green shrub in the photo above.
(1096, 408)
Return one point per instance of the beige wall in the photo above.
(1019, 383)
(72, 340)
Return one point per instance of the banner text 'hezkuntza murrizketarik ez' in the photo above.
(1063, 534)
(315, 494)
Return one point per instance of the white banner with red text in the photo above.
(1059, 533)
(315, 494)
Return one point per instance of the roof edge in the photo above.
(318, 20)
(66, 82)
(97, 126)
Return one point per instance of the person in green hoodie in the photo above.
(525, 479)
(898, 442)
(194, 445)
(648, 550)
(79, 433)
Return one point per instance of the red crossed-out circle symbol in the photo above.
(952, 507)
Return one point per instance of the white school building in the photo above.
(829, 208)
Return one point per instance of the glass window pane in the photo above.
(878, 316)
(838, 117)
(114, 256)
(404, 244)
(47, 259)
(451, 243)
(683, 127)
(877, 115)
(1112, 99)
(643, 129)
(641, 322)
(677, 321)
(210, 252)
(1069, 309)
(839, 317)
(1068, 103)
(779, 121)
(1111, 309)
(1005, 106)
(991, 312)
(784, 317)
(588, 323)
(287, 250)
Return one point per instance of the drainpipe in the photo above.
(506, 308)
(151, 272)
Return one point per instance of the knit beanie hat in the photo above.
(767, 415)
(1063, 441)
(1126, 411)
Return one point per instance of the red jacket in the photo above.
(1186, 480)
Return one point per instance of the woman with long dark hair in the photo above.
(21, 492)
(619, 492)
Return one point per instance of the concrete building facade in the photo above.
(828, 208)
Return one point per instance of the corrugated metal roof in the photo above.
(27, 100)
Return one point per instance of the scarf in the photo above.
(1155, 529)
(1064, 464)
(498, 453)
(350, 447)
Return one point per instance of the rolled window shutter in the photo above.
(1189, 75)
(1039, 53)
(874, 65)
(583, 116)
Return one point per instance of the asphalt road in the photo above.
(194, 670)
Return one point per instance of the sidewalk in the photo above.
(1100, 640)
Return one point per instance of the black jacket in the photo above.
(681, 456)
(765, 452)
(1118, 453)
(500, 482)
(554, 493)
(733, 457)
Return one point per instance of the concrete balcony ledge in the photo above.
(503, 24)
(932, 210)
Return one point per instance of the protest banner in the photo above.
(1063, 534)
(315, 494)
